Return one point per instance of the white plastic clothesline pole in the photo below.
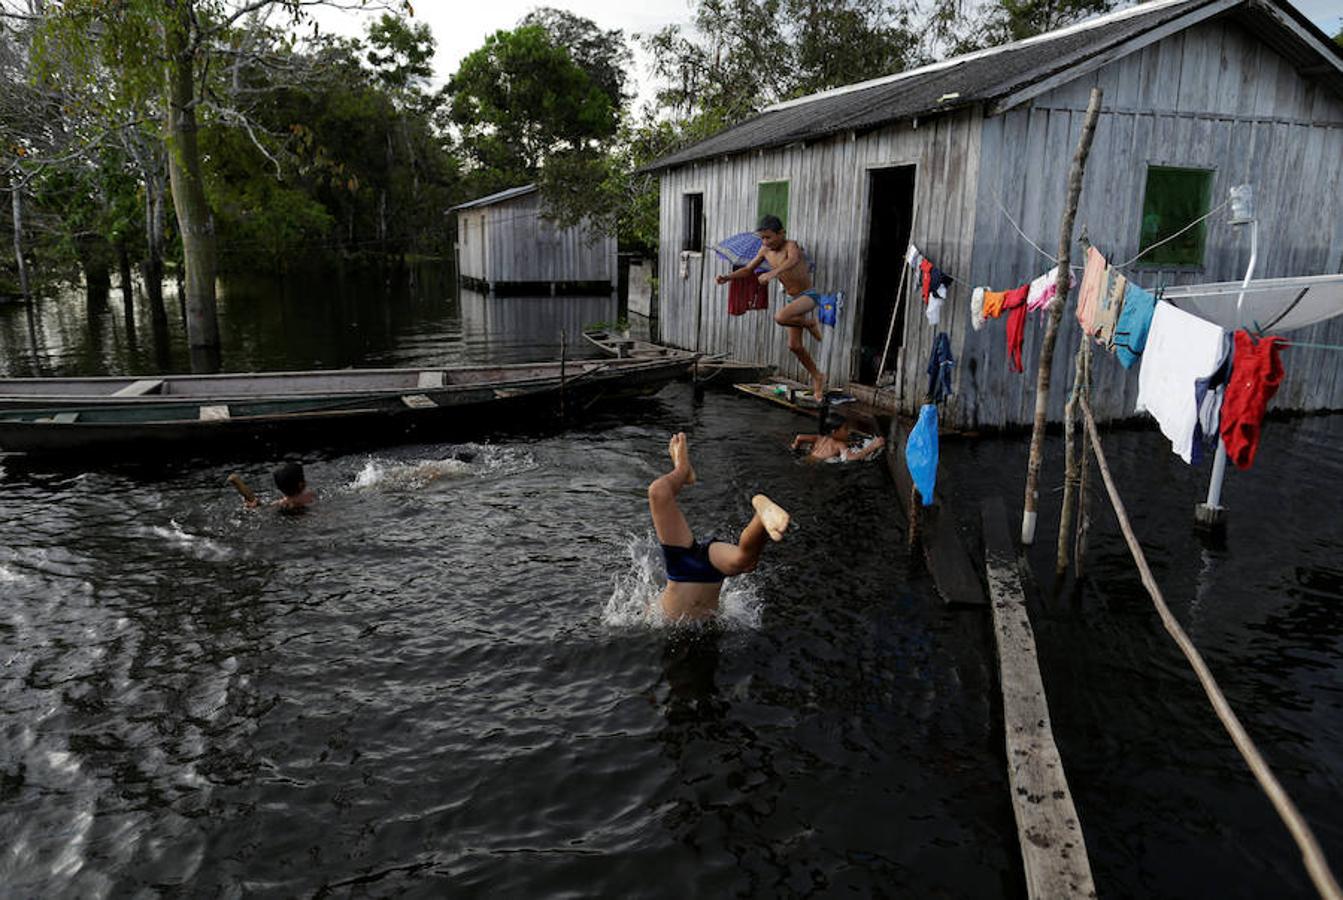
(1210, 512)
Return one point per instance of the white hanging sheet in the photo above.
(1275, 305)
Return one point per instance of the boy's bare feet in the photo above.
(818, 387)
(772, 516)
(679, 448)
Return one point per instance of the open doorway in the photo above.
(890, 218)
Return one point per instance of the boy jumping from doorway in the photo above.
(696, 569)
(787, 264)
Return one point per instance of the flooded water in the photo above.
(444, 678)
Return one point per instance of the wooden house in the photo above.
(505, 244)
(1199, 96)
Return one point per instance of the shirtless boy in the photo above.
(834, 443)
(787, 264)
(696, 569)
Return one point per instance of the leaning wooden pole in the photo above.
(1311, 854)
(1056, 316)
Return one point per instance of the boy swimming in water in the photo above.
(787, 264)
(292, 484)
(696, 569)
(833, 443)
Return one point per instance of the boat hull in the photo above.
(141, 430)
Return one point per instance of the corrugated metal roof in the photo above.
(957, 82)
(497, 198)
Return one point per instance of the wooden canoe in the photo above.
(45, 393)
(707, 370)
(214, 425)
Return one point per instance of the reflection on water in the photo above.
(403, 317)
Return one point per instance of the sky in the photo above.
(461, 26)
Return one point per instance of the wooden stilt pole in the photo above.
(1071, 475)
(890, 330)
(564, 347)
(1083, 510)
(1032, 502)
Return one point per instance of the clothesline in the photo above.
(1054, 259)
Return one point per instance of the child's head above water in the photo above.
(835, 425)
(289, 479)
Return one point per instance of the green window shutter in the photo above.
(773, 200)
(1175, 197)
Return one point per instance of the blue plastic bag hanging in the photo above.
(921, 453)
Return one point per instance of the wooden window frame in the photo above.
(1147, 262)
(788, 199)
(692, 222)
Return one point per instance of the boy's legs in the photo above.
(668, 520)
(796, 313)
(769, 522)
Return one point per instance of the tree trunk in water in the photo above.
(97, 264)
(24, 286)
(194, 221)
(127, 291)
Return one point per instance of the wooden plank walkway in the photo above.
(1052, 847)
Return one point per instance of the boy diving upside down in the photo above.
(787, 264)
(696, 569)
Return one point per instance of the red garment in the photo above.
(1014, 304)
(927, 269)
(1256, 372)
(746, 293)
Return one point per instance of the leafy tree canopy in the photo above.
(519, 100)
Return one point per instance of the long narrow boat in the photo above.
(44, 393)
(203, 426)
(707, 370)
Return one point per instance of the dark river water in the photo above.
(453, 686)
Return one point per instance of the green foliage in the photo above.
(401, 54)
(1338, 38)
(308, 149)
(746, 54)
(519, 100)
(602, 54)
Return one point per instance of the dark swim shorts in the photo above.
(691, 563)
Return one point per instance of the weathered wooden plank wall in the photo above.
(471, 243)
(510, 241)
(829, 215)
(1211, 97)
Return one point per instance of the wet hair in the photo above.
(289, 478)
(770, 223)
(827, 420)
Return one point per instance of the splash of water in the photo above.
(634, 594)
(478, 460)
(197, 545)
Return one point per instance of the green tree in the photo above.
(171, 53)
(604, 55)
(519, 100)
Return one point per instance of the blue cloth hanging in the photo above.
(921, 453)
(939, 369)
(1135, 318)
(828, 307)
(739, 249)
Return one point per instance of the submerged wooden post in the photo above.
(1055, 317)
(564, 340)
(1071, 452)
